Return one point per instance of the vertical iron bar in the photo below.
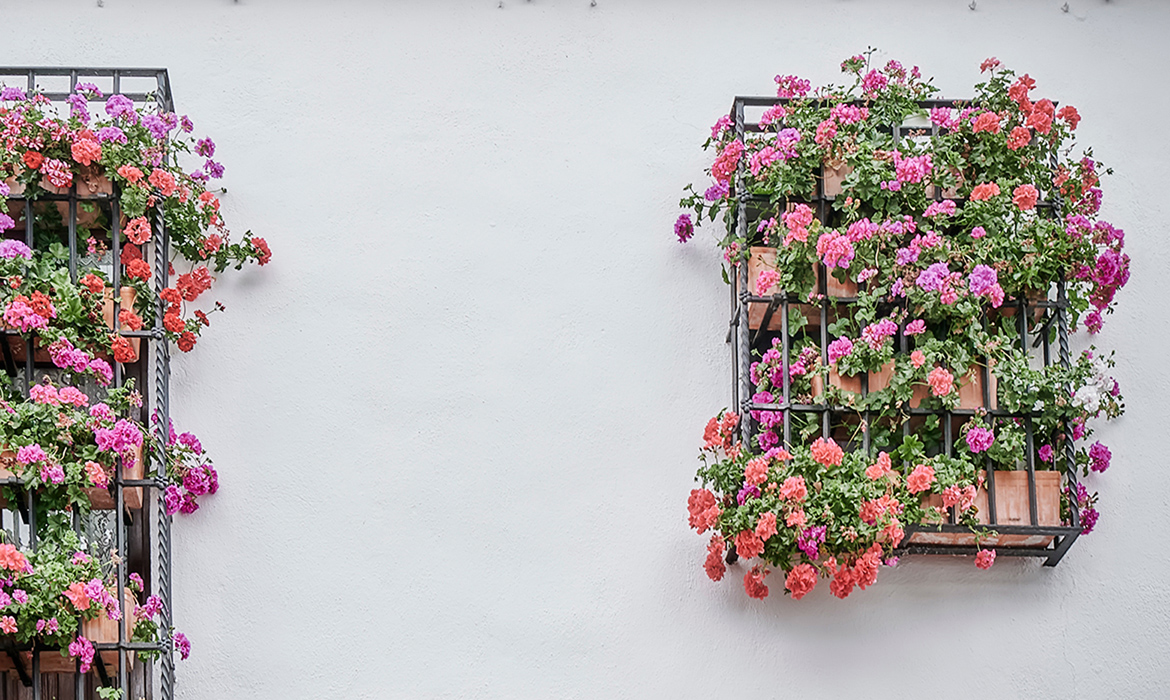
(28, 240)
(162, 398)
(1030, 462)
(823, 289)
(1070, 458)
(743, 332)
(733, 341)
(985, 372)
(73, 232)
(784, 363)
(120, 530)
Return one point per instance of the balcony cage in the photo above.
(141, 535)
(1034, 539)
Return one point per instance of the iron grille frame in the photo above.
(152, 369)
(743, 341)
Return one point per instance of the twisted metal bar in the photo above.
(743, 333)
(162, 432)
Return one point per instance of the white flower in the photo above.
(1088, 397)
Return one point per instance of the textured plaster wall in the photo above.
(456, 418)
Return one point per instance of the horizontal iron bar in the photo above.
(1001, 529)
(793, 299)
(957, 550)
(59, 71)
(820, 407)
(135, 96)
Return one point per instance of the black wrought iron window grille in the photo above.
(1037, 322)
(137, 530)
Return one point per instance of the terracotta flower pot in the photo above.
(835, 287)
(835, 173)
(90, 182)
(970, 389)
(763, 258)
(127, 297)
(949, 192)
(18, 347)
(100, 630)
(878, 380)
(85, 218)
(1011, 508)
(103, 498)
(1032, 297)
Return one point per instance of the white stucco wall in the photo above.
(456, 418)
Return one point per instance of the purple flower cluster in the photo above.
(78, 107)
(12, 94)
(98, 593)
(52, 626)
(206, 147)
(124, 436)
(111, 133)
(875, 334)
(933, 278)
(88, 89)
(841, 347)
(683, 228)
(717, 191)
(944, 208)
(982, 279)
(65, 356)
(979, 439)
(792, 86)
(30, 453)
(1086, 504)
(10, 248)
(149, 609)
(52, 474)
(810, 540)
(944, 117)
(182, 645)
(121, 106)
(83, 649)
(786, 142)
(1093, 321)
(204, 479)
(748, 491)
(155, 125)
(1110, 275)
(905, 256)
(1099, 457)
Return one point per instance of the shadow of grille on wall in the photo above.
(1022, 507)
(131, 522)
